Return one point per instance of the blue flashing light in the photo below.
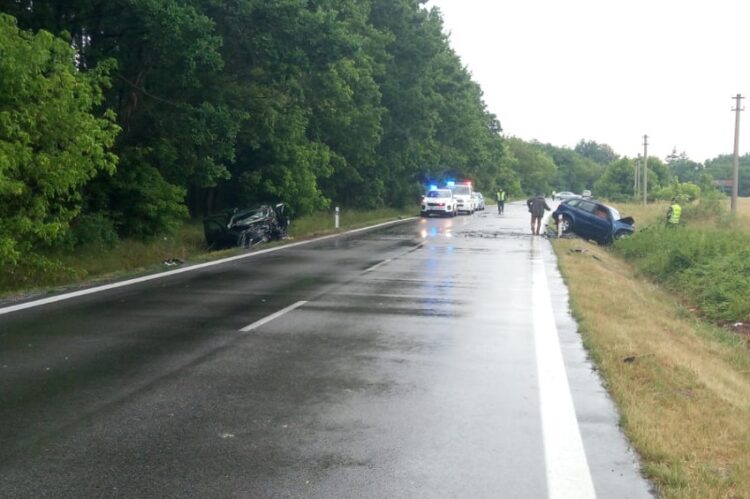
(433, 187)
(450, 183)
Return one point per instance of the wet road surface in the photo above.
(432, 358)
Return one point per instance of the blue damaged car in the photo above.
(593, 220)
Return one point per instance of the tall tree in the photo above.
(52, 141)
(598, 153)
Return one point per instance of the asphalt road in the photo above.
(431, 358)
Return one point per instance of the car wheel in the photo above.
(566, 224)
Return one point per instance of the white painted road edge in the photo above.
(568, 474)
(269, 318)
(129, 282)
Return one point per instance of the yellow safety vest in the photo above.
(674, 214)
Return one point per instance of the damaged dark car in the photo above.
(593, 220)
(246, 228)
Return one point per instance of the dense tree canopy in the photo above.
(598, 153)
(141, 113)
(307, 101)
(722, 168)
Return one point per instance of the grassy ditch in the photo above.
(128, 257)
(706, 261)
(682, 385)
(650, 312)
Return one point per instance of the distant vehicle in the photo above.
(462, 194)
(593, 220)
(586, 194)
(562, 196)
(246, 227)
(478, 200)
(439, 202)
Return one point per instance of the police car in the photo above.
(439, 202)
(462, 193)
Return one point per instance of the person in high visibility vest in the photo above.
(500, 201)
(673, 214)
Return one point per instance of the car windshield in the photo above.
(463, 190)
(250, 216)
(441, 193)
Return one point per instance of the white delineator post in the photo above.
(336, 218)
(559, 225)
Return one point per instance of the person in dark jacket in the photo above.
(537, 205)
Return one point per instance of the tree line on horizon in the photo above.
(124, 118)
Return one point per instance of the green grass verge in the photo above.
(682, 385)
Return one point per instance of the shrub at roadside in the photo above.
(708, 266)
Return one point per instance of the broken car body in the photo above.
(246, 227)
(593, 220)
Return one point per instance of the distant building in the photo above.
(724, 186)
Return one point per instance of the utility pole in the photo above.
(736, 170)
(645, 170)
(637, 177)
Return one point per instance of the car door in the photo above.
(586, 225)
(598, 223)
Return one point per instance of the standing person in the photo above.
(673, 213)
(500, 201)
(537, 205)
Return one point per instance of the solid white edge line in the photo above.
(269, 318)
(105, 287)
(568, 473)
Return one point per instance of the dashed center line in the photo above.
(275, 315)
(370, 269)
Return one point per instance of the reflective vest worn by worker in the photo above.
(673, 217)
(501, 196)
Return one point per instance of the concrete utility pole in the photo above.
(645, 169)
(736, 169)
(637, 177)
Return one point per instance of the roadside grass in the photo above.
(705, 261)
(133, 257)
(323, 222)
(682, 385)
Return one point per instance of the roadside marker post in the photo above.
(336, 218)
(559, 225)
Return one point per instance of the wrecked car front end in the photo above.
(246, 228)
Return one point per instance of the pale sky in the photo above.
(559, 71)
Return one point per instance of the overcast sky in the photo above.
(611, 71)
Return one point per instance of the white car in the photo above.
(478, 200)
(462, 195)
(562, 196)
(439, 202)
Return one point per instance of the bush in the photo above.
(709, 267)
(686, 192)
(94, 230)
(722, 286)
(711, 205)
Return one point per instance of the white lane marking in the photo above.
(105, 287)
(370, 269)
(269, 318)
(568, 474)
